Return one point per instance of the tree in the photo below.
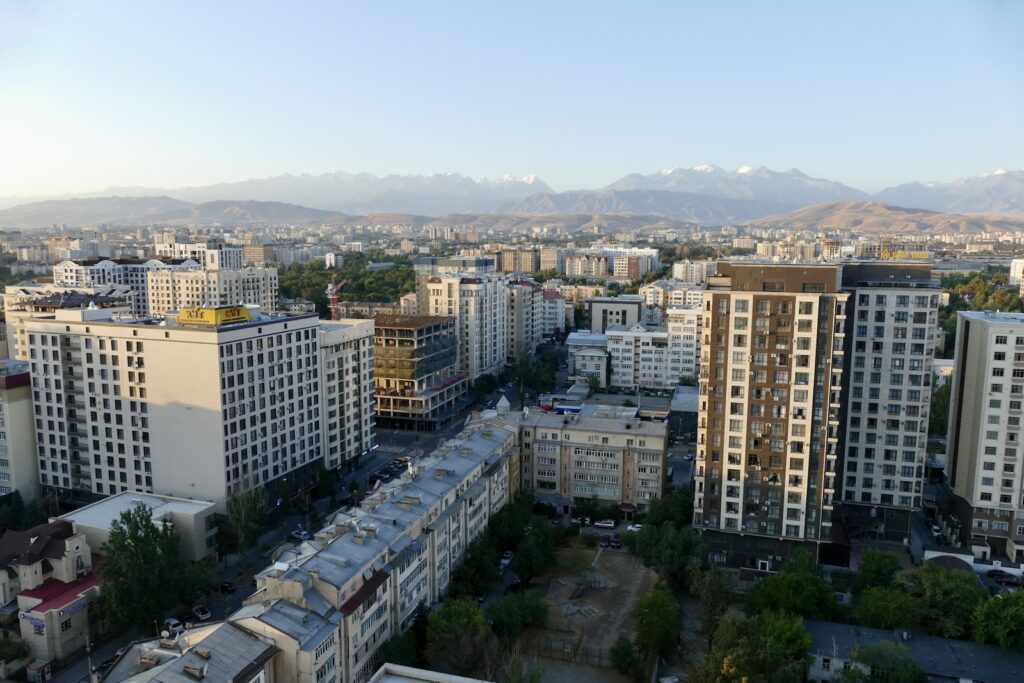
(244, 521)
(1000, 621)
(676, 507)
(788, 632)
(458, 638)
(887, 608)
(712, 587)
(535, 554)
(143, 574)
(878, 569)
(886, 663)
(512, 613)
(938, 413)
(478, 572)
(656, 622)
(946, 599)
(746, 650)
(796, 589)
(625, 659)
(400, 650)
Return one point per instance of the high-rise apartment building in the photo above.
(891, 318)
(684, 328)
(212, 403)
(525, 318)
(479, 303)
(347, 377)
(426, 267)
(556, 316)
(693, 272)
(417, 385)
(552, 258)
(18, 468)
(639, 358)
(768, 427)
(626, 310)
(258, 254)
(171, 290)
(132, 273)
(984, 441)
(214, 255)
(517, 260)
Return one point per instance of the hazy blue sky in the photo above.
(94, 94)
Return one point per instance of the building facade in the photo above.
(639, 358)
(684, 324)
(133, 273)
(479, 304)
(772, 360)
(347, 370)
(171, 290)
(525, 318)
(213, 255)
(19, 470)
(693, 272)
(625, 310)
(417, 385)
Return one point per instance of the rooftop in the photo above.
(994, 317)
(413, 322)
(102, 513)
(596, 417)
(394, 673)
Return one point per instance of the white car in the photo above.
(202, 614)
(635, 527)
(301, 535)
(506, 559)
(173, 626)
(605, 524)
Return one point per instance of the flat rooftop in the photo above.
(413, 322)
(102, 513)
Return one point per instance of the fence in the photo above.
(567, 649)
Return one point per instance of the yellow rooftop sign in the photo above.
(213, 317)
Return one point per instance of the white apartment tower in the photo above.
(479, 304)
(693, 272)
(347, 372)
(984, 442)
(684, 328)
(212, 403)
(526, 318)
(171, 290)
(132, 273)
(213, 254)
(890, 343)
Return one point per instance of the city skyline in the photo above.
(865, 94)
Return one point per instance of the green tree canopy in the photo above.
(656, 622)
(877, 569)
(887, 608)
(1000, 620)
(713, 588)
(751, 650)
(512, 613)
(946, 599)
(459, 640)
(142, 572)
(796, 589)
(886, 663)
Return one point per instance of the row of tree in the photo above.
(310, 280)
(18, 515)
(984, 291)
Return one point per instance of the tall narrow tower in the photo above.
(332, 299)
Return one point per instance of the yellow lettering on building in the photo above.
(213, 317)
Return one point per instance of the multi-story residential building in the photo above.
(586, 265)
(627, 267)
(132, 273)
(576, 294)
(1016, 271)
(626, 310)
(984, 442)
(512, 260)
(663, 293)
(212, 255)
(552, 258)
(347, 374)
(49, 573)
(891, 318)
(768, 428)
(171, 290)
(18, 468)
(258, 254)
(525, 318)
(684, 328)
(417, 385)
(556, 315)
(363, 576)
(407, 304)
(603, 454)
(639, 358)
(33, 300)
(693, 272)
(588, 356)
(426, 267)
(111, 398)
(479, 303)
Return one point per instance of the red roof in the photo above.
(57, 594)
(551, 294)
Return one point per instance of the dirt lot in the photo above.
(591, 595)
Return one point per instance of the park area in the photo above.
(591, 593)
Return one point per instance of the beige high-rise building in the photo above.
(768, 422)
(525, 318)
(215, 402)
(171, 290)
(479, 303)
(984, 442)
(18, 468)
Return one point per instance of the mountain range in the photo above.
(706, 194)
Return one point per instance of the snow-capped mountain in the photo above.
(746, 182)
(998, 192)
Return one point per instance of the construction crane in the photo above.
(332, 299)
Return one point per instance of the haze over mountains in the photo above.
(706, 194)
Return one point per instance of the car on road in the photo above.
(1008, 581)
(506, 559)
(605, 524)
(936, 529)
(104, 667)
(201, 613)
(616, 541)
(301, 535)
(582, 521)
(226, 587)
(173, 626)
(635, 527)
(996, 573)
(688, 457)
(605, 541)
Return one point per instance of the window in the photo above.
(1000, 339)
(65, 625)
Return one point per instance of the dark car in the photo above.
(616, 541)
(996, 573)
(605, 541)
(1009, 581)
(226, 587)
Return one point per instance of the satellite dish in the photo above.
(165, 634)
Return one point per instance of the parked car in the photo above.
(936, 529)
(996, 573)
(555, 520)
(616, 541)
(173, 626)
(605, 541)
(688, 457)
(605, 524)
(506, 559)
(202, 613)
(226, 587)
(1009, 581)
(635, 527)
(582, 521)
(301, 535)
